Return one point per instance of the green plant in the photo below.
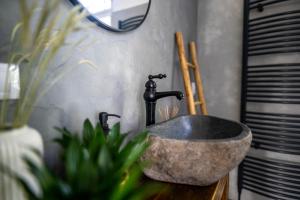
(95, 167)
(35, 41)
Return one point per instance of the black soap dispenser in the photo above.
(103, 118)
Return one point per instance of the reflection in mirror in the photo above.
(116, 15)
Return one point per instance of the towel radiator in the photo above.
(131, 23)
(271, 28)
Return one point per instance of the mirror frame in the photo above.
(105, 26)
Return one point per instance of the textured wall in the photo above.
(8, 19)
(220, 53)
(123, 63)
(219, 37)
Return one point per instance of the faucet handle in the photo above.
(158, 76)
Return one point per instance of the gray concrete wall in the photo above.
(219, 39)
(8, 19)
(123, 63)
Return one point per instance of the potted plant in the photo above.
(35, 41)
(96, 166)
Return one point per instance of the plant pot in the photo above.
(15, 144)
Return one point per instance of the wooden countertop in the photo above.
(170, 191)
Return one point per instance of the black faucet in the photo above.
(103, 118)
(151, 96)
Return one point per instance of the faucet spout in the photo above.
(177, 94)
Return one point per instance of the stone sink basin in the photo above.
(195, 149)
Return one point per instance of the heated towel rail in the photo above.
(131, 23)
(271, 28)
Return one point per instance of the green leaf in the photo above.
(100, 136)
(140, 137)
(74, 156)
(86, 177)
(135, 149)
(97, 143)
(127, 184)
(66, 137)
(115, 139)
(113, 135)
(64, 189)
(104, 160)
(88, 132)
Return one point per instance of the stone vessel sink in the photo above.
(195, 149)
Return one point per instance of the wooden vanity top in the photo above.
(170, 191)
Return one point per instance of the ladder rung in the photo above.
(191, 65)
(198, 102)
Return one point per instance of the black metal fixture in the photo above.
(151, 96)
(103, 118)
(271, 83)
(260, 4)
(130, 23)
(270, 178)
(260, 7)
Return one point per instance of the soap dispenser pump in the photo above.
(103, 118)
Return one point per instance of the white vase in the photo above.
(15, 144)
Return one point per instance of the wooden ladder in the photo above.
(185, 69)
(221, 189)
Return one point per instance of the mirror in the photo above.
(116, 15)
